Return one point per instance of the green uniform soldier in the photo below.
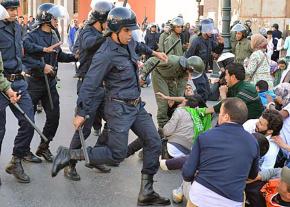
(242, 49)
(176, 29)
(171, 78)
(162, 38)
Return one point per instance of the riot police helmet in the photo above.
(194, 63)
(100, 11)
(239, 28)
(120, 17)
(177, 21)
(10, 3)
(206, 26)
(47, 11)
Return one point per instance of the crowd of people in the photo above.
(240, 159)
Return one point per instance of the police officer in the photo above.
(42, 54)
(176, 30)
(115, 63)
(202, 46)
(163, 36)
(242, 49)
(11, 49)
(152, 37)
(90, 40)
(170, 79)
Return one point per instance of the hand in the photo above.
(141, 81)
(48, 69)
(13, 96)
(51, 49)
(25, 74)
(220, 39)
(223, 91)
(279, 141)
(161, 56)
(78, 121)
(170, 103)
(77, 55)
(161, 96)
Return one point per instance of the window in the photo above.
(76, 6)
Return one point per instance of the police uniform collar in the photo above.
(2, 24)
(43, 33)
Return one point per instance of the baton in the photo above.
(26, 117)
(156, 64)
(47, 88)
(125, 3)
(84, 147)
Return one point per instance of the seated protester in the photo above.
(283, 99)
(270, 123)
(262, 88)
(222, 59)
(222, 159)
(185, 124)
(277, 190)
(253, 187)
(282, 74)
(237, 87)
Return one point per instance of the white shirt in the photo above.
(203, 197)
(271, 156)
(285, 131)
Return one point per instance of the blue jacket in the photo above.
(34, 42)
(263, 97)
(116, 66)
(222, 159)
(90, 40)
(11, 46)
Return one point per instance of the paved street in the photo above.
(118, 189)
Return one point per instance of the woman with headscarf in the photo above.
(258, 67)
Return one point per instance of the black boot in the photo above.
(43, 151)
(101, 168)
(70, 171)
(30, 157)
(134, 146)
(147, 195)
(15, 167)
(63, 157)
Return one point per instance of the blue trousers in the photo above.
(38, 92)
(25, 131)
(120, 119)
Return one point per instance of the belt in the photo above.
(13, 77)
(132, 102)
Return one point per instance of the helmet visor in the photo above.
(194, 73)
(207, 28)
(3, 13)
(58, 12)
(238, 28)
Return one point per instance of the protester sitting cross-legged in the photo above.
(222, 159)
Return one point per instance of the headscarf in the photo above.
(258, 42)
(283, 90)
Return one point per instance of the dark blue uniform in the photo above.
(202, 48)
(11, 49)
(90, 40)
(116, 65)
(34, 42)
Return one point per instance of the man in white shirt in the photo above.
(270, 123)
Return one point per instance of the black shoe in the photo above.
(147, 195)
(70, 172)
(43, 151)
(30, 157)
(101, 168)
(61, 160)
(113, 165)
(15, 168)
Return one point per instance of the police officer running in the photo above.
(115, 63)
(42, 54)
(11, 50)
(90, 39)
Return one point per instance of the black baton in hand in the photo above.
(155, 65)
(47, 88)
(83, 142)
(26, 117)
